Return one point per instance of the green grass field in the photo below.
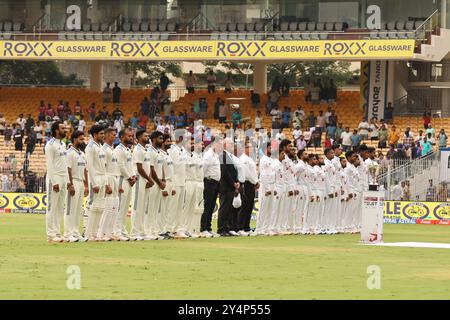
(291, 267)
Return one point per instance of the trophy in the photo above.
(373, 177)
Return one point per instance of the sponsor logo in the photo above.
(44, 200)
(240, 49)
(27, 49)
(416, 210)
(442, 211)
(26, 201)
(134, 49)
(344, 49)
(4, 201)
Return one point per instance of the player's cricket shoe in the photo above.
(180, 235)
(72, 239)
(215, 235)
(195, 235)
(150, 238)
(234, 233)
(242, 233)
(56, 239)
(205, 234)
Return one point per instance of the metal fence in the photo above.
(417, 180)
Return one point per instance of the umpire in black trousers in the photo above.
(229, 184)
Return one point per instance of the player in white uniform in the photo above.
(352, 178)
(361, 186)
(331, 192)
(169, 192)
(267, 192)
(345, 200)
(339, 186)
(301, 208)
(57, 181)
(98, 187)
(309, 225)
(191, 192)
(105, 232)
(195, 225)
(127, 181)
(76, 163)
(321, 190)
(151, 225)
(144, 183)
(179, 156)
(280, 189)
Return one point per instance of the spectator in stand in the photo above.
(276, 115)
(107, 93)
(425, 147)
(286, 117)
(311, 120)
(442, 194)
(172, 118)
(383, 136)
(317, 137)
(285, 87)
(236, 118)
(356, 139)
(323, 90)
(394, 136)
(181, 120)
(2, 123)
(332, 122)
(6, 184)
(442, 139)
(21, 122)
(119, 124)
(211, 80)
(38, 130)
(339, 130)
(77, 108)
(431, 130)
(373, 129)
(190, 82)
(258, 121)
(363, 128)
(396, 192)
(328, 142)
(203, 105)
(299, 117)
(274, 98)
(145, 106)
(31, 144)
(41, 111)
(228, 83)
(307, 135)
(276, 85)
(406, 195)
(104, 114)
(391, 152)
(92, 112)
(301, 143)
(167, 111)
(50, 112)
(255, 99)
(389, 113)
(216, 108)
(164, 82)
(116, 93)
(18, 139)
(431, 139)
(191, 117)
(222, 112)
(332, 95)
(134, 120)
(117, 114)
(154, 94)
(307, 91)
(426, 120)
(315, 93)
(143, 120)
(157, 119)
(321, 122)
(408, 138)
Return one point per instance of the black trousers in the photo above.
(210, 193)
(226, 212)
(248, 202)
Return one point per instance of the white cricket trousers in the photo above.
(175, 219)
(111, 210)
(347, 215)
(120, 228)
(151, 227)
(96, 207)
(298, 209)
(357, 215)
(264, 212)
(74, 210)
(339, 215)
(274, 216)
(139, 207)
(315, 212)
(330, 213)
(285, 211)
(189, 206)
(162, 218)
(55, 205)
(194, 223)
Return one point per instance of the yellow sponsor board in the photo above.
(417, 212)
(207, 50)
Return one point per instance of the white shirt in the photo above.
(330, 177)
(373, 131)
(112, 168)
(160, 128)
(258, 123)
(21, 122)
(297, 133)
(267, 173)
(95, 162)
(76, 161)
(352, 178)
(363, 128)
(55, 158)
(156, 160)
(289, 174)
(397, 192)
(124, 161)
(310, 176)
(167, 166)
(239, 167)
(251, 175)
(319, 180)
(211, 165)
(345, 136)
(199, 167)
(191, 167)
(279, 176)
(179, 157)
(81, 125)
(139, 156)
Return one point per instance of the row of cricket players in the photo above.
(304, 193)
(165, 198)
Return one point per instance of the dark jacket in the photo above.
(228, 173)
